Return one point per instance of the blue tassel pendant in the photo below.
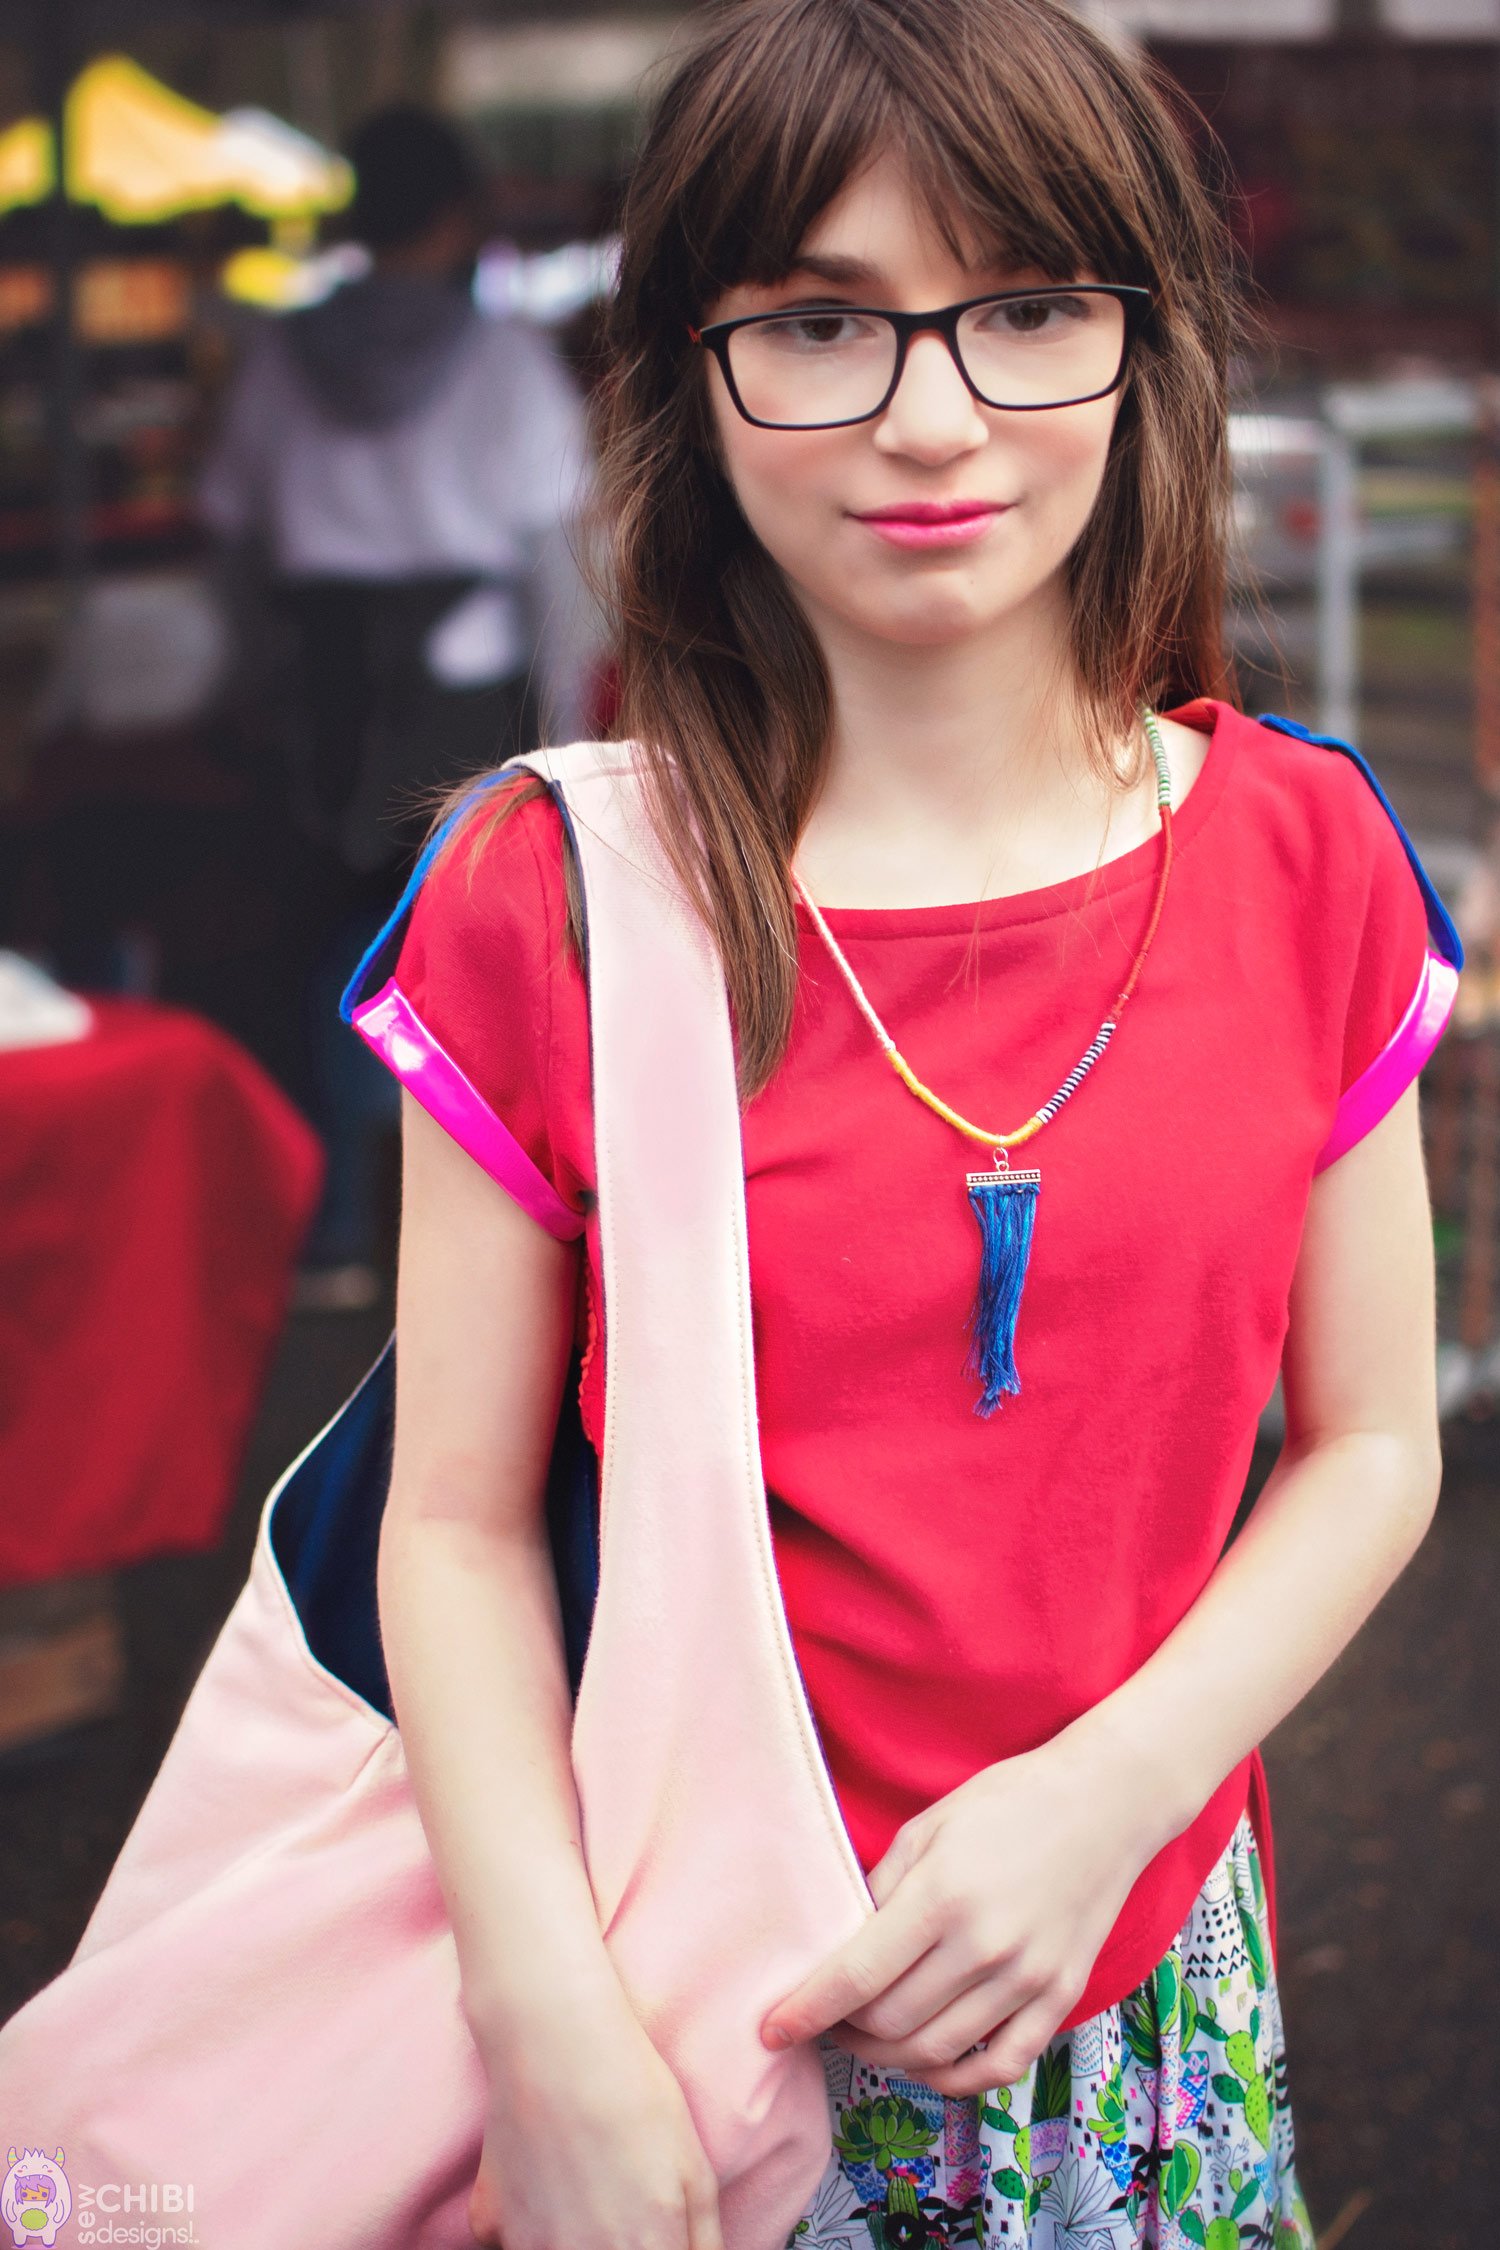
(1005, 1206)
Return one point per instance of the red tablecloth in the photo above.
(154, 1189)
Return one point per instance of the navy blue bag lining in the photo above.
(325, 1533)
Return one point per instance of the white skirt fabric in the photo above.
(1160, 2124)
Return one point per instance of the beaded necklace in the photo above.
(1004, 1201)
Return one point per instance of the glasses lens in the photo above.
(807, 369)
(1044, 350)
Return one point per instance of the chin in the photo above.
(926, 624)
(937, 603)
(934, 608)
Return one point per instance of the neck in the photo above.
(962, 770)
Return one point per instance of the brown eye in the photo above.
(824, 330)
(1035, 316)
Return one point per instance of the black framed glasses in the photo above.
(821, 367)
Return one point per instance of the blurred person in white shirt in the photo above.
(408, 472)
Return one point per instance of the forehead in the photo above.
(882, 223)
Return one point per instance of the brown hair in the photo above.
(1025, 133)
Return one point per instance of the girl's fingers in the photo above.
(972, 2074)
(906, 1850)
(703, 2228)
(935, 1983)
(1014, 2045)
(882, 1951)
(938, 2043)
(1007, 2027)
(1008, 2052)
(483, 2222)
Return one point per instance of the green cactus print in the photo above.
(901, 2196)
(1157, 2125)
(1052, 2086)
(1179, 2176)
(1108, 2120)
(884, 2132)
(1248, 2086)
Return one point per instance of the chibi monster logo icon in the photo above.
(35, 2198)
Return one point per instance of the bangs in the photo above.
(1010, 120)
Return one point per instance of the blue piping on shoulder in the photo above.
(382, 951)
(1444, 936)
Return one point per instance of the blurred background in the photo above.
(189, 843)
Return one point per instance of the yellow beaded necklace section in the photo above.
(1107, 1029)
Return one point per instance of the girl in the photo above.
(1096, 1030)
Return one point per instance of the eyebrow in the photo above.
(828, 266)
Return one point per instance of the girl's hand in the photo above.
(589, 2146)
(992, 1907)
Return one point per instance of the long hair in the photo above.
(1028, 138)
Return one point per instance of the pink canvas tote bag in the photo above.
(265, 2004)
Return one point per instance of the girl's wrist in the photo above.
(534, 2046)
(542, 1999)
(528, 1939)
(1143, 1788)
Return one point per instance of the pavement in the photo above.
(1385, 1786)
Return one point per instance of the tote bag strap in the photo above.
(720, 1863)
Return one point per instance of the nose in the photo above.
(934, 416)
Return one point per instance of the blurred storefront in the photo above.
(555, 108)
(141, 848)
(1366, 180)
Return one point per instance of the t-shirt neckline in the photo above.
(1138, 865)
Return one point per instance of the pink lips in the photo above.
(923, 523)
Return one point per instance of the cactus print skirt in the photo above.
(1161, 2124)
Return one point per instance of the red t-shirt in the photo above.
(960, 1589)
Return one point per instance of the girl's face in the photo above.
(1016, 488)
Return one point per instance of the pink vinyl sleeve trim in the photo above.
(390, 1024)
(1378, 1089)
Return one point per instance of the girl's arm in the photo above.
(993, 1904)
(588, 2143)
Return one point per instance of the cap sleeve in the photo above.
(485, 1019)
